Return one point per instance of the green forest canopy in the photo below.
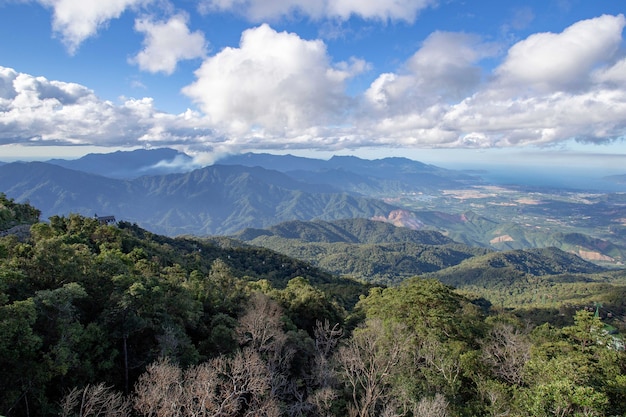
(116, 319)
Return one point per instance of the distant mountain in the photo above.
(57, 190)
(346, 231)
(380, 177)
(212, 200)
(476, 230)
(264, 190)
(366, 177)
(133, 164)
(282, 163)
(503, 268)
(364, 249)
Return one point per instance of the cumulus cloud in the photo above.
(614, 74)
(76, 20)
(593, 116)
(274, 82)
(262, 10)
(38, 110)
(550, 88)
(167, 43)
(561, 61)
(443, 69)
(277, 90)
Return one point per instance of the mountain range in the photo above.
(163, 191)
(133, 164)
(217, 199)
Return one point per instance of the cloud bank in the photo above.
(35, 110)
(278, 90)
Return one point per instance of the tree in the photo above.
(22, 372)
(305, 305)
(427, 307)
(368, 362)
(223, 387)
(506, 351)
(95, 401)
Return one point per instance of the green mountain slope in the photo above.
(361, 248)
(212, 200)
(357, 230)
(496, 268)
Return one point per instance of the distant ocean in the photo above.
(561, 178)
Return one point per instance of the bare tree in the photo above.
(159, 390)
(261, 330)
(261, 327)
(506, 351)
(223, 387)
(240, 387)
(368, 361)
(436, 406)
(323, 399)
(95, 401)
(326, 337)
(326, 341)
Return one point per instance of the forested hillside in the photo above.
(115, 321)
(365, 249)
(207, 201)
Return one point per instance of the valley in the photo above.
(304, 281)
(586, 223)
(261, 190)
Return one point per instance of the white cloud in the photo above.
(376, 9)
(595, 116)
(77, 20)
(561, 61)
(615, 74)
(277, 90)
(166, 43)
(262, 10)
(37, 110)
(550, 88)
(443, 69)
(274, 82)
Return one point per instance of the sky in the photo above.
(448, 81)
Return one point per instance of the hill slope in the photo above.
(502, 268)
(365, 249)
(212, 200)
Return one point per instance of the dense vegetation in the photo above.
(370, 250)
(13, 214)
(116, 321)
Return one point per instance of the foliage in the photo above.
(13, 214)
(369, 250)
(117, 321)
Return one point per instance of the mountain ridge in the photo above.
(212, 200)
(129, 164)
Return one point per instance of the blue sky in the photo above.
(436, 80)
